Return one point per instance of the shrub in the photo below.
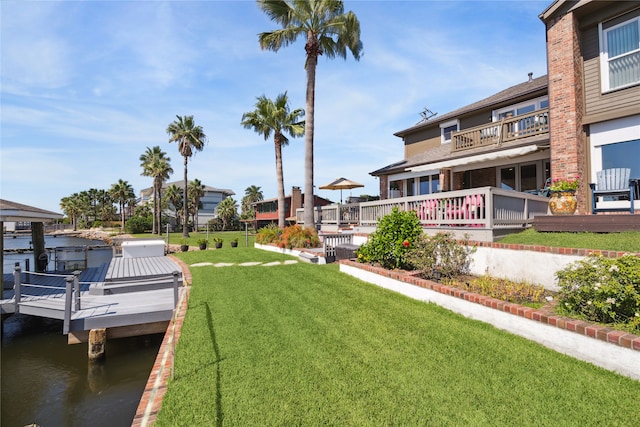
(296, 236)
(602, 289)
(268, 234)
(138, 224)
(506, 290)
(392, 240)
(440, 256)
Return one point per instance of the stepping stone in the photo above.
(250, 263)
(200, 264)
(223, 264)
(290, 261)
(271, 264)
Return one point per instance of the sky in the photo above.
(87, 86)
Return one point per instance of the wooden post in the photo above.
(97, 344)
(76, 290)
(39, 252)
(175, 288)
(67, 304)
(16, 287)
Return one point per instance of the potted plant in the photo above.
(563, 196)
(202, 244)
(217, 241)
(234, 242)
(184, 245)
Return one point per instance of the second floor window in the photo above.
(620, 45)
(446, 129)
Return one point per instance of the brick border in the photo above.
(156, 387)
(601, 333)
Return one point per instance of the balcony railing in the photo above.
(485, 207)
(508, 129)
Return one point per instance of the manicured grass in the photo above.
(628, 241)
(307, 345)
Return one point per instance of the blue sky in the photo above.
(87, 86)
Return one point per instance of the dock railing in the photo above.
(484, 207)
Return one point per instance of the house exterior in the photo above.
(593, 60)
(212, 197)
(267, 210)
(501, 141)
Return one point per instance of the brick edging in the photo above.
(553, 249)
(156, 387)
(601, 333)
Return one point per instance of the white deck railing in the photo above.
(486, 207)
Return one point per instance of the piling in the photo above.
(97, 344)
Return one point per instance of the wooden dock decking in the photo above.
(127, 292)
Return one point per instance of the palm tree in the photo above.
(173, 194)
(122, 193)
(252, 194)
(227, 210)
(189, 137)
(155, 163)
(275, 117)
(196, 191)
(70, 205)
(327, 31)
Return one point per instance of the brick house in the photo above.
(267, 210)
(593, 60)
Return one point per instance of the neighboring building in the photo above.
(500, 141)
(593, 55)
(267, 210)
(212, 197)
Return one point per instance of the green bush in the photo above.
(605, 290)
(440, 256)
(392, 240)
(138, 224)
(268, 234)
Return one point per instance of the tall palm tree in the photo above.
(155, 164)
(329, 31)
(173, 194)
(196, 192)
(189, 137)
(122, 193)
(275, 117)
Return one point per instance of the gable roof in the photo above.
(13, 211)
(513, 92)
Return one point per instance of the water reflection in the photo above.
(50, 383)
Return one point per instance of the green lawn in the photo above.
(628, 241)
(307, 345)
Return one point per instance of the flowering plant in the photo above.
(569, 184)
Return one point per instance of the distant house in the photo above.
(501, 141)
(212, 197)
(267, 210)
(593, 54)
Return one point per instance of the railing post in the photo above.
(175, 288)
(76, 290)
(16, 287)
(67, 304)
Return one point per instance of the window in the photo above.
(446, 129)
(429, 184)
(620, 55)
(622, 155)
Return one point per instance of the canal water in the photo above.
(50, 383)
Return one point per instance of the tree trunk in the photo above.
(122, 205)
(37, 238)
(309, 222)
(160, 211)
(185, 225)
(155, 204)
(280, 176)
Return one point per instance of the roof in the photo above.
(288, 196)
(13, 211)
(180, 184)
(513, 92)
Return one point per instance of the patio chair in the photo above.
(613, 182)
(428, 210)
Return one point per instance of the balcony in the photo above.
(533, 124)
(484, 213)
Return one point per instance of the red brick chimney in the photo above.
(296, 200)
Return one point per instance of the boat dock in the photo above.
(126, 297)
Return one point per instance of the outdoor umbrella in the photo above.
(341, 184)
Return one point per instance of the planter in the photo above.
(563, 203)
(234, 244)
(184, 248)
(218, 245)
(202, 246)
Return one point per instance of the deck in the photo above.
(123, 293)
